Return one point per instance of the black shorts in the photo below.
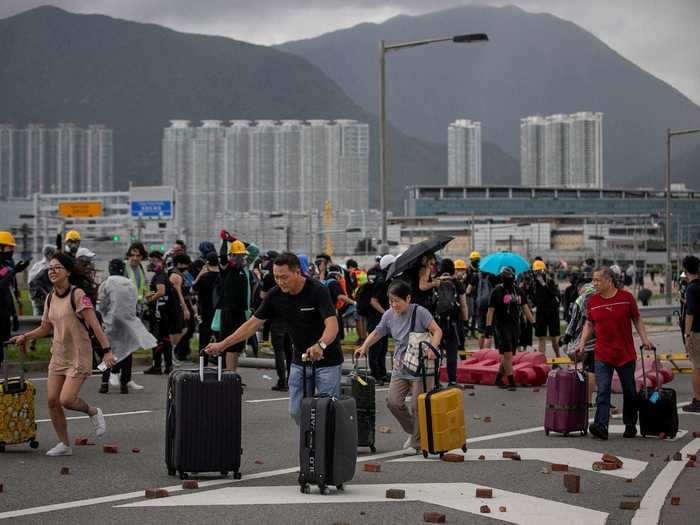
(506, 338)
(231, 320)
(547, 323)
(525, 334)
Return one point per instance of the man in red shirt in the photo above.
(610, 314)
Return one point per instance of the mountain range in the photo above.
(534, 64)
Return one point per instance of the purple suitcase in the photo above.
(567, 402)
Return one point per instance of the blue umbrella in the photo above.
(496, 261)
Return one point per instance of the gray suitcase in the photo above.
(327, 441)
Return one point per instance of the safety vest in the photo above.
(140, 286)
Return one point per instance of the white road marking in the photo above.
(655, 496)
(106, 415)
(522, 509)
(620, 429)
(574, 457)
(267, 400)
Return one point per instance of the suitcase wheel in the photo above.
(425, 454)
(171, 472)
(305, 489)
(34, 444)
(324, 490)
(566, 434)
(183, 475)
(441, 454)
(340, 487)
(464, 448)
(372, 449)
(237, 475)
(2, 447)
(224, 473)
(546, 431)
(584, 432)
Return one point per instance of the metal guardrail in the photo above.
(28, 322)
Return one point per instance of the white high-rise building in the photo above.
(99, 167)
(8, 157)
(464, 153)
(562, 150)
(264, 166)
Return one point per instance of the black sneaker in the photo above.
(694, 406)
(104, 388)
(279, 388)
(597, 431)
(630, 432)
(153, 371)
(124, 389)
(167, 370)
(499, 381)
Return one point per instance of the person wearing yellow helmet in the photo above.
(8, 286)
(477, 312)
(546, 298)
(72, 242)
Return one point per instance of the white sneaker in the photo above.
(114, 379)
(134, 386)
(410, 451)
(60, 450)
(409, 442)
(98, 420)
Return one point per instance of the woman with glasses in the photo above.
(69, 317)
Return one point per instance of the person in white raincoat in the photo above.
(116, 301)
(38, 279)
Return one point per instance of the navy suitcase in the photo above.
(203, 421)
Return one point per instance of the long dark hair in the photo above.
(82, 274)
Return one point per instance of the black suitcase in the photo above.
(361, 386)
(658, 409)
(327, 440)
(203, 421)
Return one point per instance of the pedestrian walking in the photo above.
(311, 318)
(610, 314)
(546, 298)
(399, 321)
(204, 286)
(181, 351)
(450, 313)
(38, 279)
(116, 302)
(506, 305)
(8, 284)
(69, 317)
(691, 332)
(380, 304)
(135, 256)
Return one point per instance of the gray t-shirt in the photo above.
(398, 327)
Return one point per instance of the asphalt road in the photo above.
(107, 488)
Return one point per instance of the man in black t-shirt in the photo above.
(279, 336)
(379, 303)
(506, 304)
(450, 315)
(306, 306)
(691, 322)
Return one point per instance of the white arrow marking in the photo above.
(655, 496)
(574, 457)
(521, 509)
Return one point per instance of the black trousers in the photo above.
(163, 349)
(449, 343)
(378, 351)
(124, 366)
(182, 350)
(282, 345)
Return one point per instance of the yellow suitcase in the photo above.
(17, 413)
(441, 418)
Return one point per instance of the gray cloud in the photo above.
(660, 37)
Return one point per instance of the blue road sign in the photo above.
(163, 209)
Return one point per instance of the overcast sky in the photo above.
(661, 36)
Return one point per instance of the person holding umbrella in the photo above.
(506, 305)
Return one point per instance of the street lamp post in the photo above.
(383, 49)
(669, 134)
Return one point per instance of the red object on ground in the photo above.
(65, 471)
(572, 482)
(110, 449)
(135, 450)
(484, 493)
(452, 458)
(675, 500)
(609, 458)
(434, 517)
(190, 484)
(373, 467)
(559, 467)
(81, 441)
(529, 368)
(484, 509)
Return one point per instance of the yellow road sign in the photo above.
(80, 209)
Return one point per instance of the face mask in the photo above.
(508, 281)
(6, 256)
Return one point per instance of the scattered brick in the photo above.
(560, 467)
(156, 493)
(453, 458)
(110, 449)
(696, 434)
(135, 450)
(395, 493)
(482, 457)
(629, 504)
(373, 467)
(81, 441)
(516, 457)
(678, 456)
(572, 482)
(487, 419)
(484, 509)
(484, 493)
(651, 455)
(609, 458)
(190, 484)
(502, 509)
(692, 457)
(509, 454)
(535, 389)
(668, 458)
(629, 480)
(383, 429)
(675, 500)
(434, 517)
(690, 463)
(258, 461)
(65, 471)
(602, 465)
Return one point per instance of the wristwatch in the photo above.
(322, 345)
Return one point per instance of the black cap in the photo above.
(116, 267)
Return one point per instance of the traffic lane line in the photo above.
(654, 498)
(105, 415)
(268, 399)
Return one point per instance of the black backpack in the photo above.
(445, 299)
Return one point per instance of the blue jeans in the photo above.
(327, 382)
(603, 378)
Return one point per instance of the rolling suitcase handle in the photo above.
(656, 366)
(422, 359)
(7, 387)
(201, 367)
(304, 360)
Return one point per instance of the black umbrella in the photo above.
(411, 257)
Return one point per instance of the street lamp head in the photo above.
(474, 37)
